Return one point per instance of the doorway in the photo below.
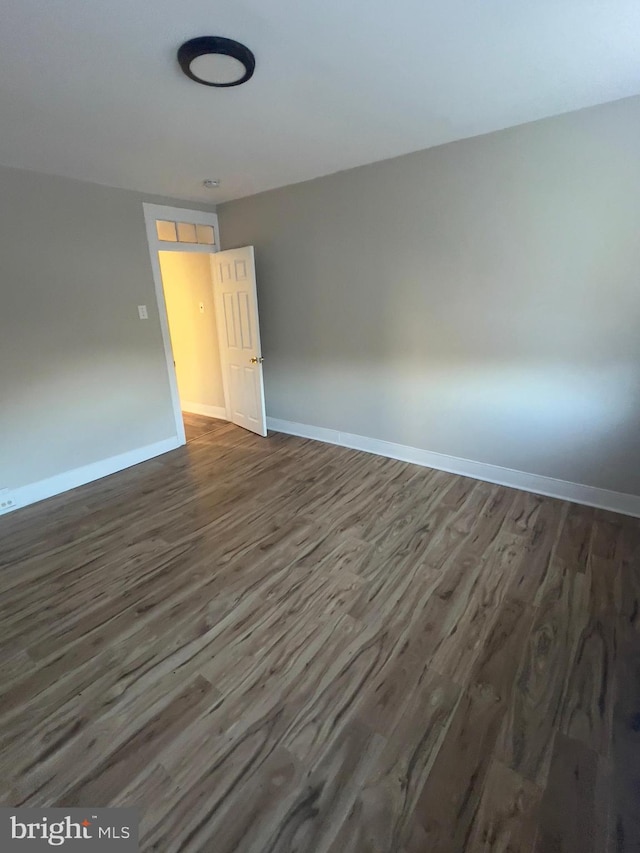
(192, 236)
(208, 315)
(188, 294)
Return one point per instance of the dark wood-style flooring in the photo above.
(280, 645)
(195, 426)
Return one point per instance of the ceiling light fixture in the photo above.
(216, 61)
(211, 183)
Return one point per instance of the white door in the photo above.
(234, 284)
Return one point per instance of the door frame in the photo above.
(175, 214)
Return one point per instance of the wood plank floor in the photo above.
(195, 426)
(279, 645)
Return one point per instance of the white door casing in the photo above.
(234, 284)
(153, 213)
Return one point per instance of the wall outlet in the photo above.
(142, 312)
(7, 500)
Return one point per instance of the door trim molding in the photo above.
(151, 213)
(536, 483)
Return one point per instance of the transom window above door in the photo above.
(169, 231)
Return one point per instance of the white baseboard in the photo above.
(536, 483)
(35, 492)
(207, 411)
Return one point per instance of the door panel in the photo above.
(245, 321)
(239, 332)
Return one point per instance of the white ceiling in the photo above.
(91, 89)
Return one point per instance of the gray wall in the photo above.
(480, 299)
(81, 377)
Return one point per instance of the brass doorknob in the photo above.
(258, 360)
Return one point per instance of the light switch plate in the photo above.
(142, 312)
(201, 307)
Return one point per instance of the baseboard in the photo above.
(536, 483)
(43, 489)
(208, 411)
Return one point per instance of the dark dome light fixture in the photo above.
(216, 61)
